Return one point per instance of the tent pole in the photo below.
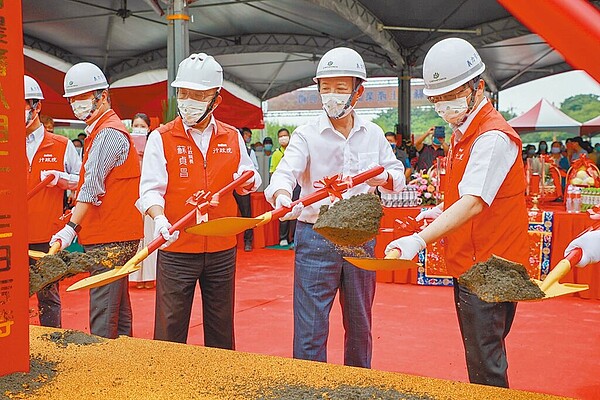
(178, 40)
(404, 103)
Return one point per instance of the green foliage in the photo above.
(581, 107)
(422, 118)
(271, 131)
(169, 109)
(67, 132)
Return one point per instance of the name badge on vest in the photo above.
(48, 157)
(222, 148)
(186, 157)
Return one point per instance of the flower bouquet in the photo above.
(424, 184)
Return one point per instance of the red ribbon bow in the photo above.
(334, 185)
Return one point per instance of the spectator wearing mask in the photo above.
(243, 200)
(529, 151)
(429, 152)
(400, 154)
(559, 159)
(81, 136)
(542, 147)
(78, 147)
(286, 227)
(268, 146)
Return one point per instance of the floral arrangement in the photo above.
(424, 184)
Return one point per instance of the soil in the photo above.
(351, 222)
(342, 392)
(64, 338)
(20, 384)
(52, 268)
(499, 280)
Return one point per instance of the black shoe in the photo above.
(248, 247)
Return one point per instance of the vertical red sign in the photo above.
(14, 271)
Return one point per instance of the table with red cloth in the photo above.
(550, 231)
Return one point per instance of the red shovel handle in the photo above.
(40, 186)
(189, 217)
(323, 193)
(574, 256)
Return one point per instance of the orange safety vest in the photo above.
(116, 219)
(46, 207)
(189, 172)
(501, 228)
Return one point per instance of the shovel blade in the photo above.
(381, 264)
(227, 226)
(36, 255)
(561, 289)
(103, 279)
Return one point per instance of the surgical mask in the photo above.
(284, 140)
(139, 131)
(597, 148)
(436, 141)
(248, 140)
(260, 149)
(452, 111)
(268, 147)
(543, 147)
(555, 150)
(334, 104)
(531, 152)
(191, 110)
(393, 146)
(79, 150)
(83, 108)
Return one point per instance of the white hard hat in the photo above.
(341, 61)
(199, 72)
(82, 78)
(449, 64)
(32, 89)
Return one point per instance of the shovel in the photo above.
(134, 263)
(391, 262)
(550, 285)
(39, 186)
(229, 226)
(36, 255)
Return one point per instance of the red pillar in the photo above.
(14, 273)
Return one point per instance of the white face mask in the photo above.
(284, 140)
(334, 103)
(191, 110)
(453, 111)
(139, 131)
(83, 108)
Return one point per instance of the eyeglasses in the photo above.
(450, 96)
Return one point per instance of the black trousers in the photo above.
(484, 327)
(245, 207)
(176, 278)
(287, 228)
(48, 298)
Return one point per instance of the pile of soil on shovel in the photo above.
(351, 222)
(342, 392)
(64, 338)
(63, 264)
(498, 280)
(19, 384)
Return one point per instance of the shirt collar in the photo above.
(37, 135)
(210, 128)
(325, 123)
(88, 129)
(465, 125)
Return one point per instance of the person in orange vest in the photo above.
(191, 153)
(48, 154)
(105, 215)
(484, 211)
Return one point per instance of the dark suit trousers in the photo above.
(245, 207)
(48, 298)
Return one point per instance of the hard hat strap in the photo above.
(471, 104)
(349, 101)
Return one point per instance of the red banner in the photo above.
(14, 278)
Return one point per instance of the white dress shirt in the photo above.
(72, 159)
(317, 150)
(492, 156)
(154, 180)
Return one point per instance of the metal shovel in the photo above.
(391, 262)
(135, 262)
(233, 225)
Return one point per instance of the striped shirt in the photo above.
(109, 150)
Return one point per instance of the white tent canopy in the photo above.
(545, 117)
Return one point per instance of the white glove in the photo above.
(247, 187)
(66, 236)
(431, 213)
(161, 227)
(285, 201)
(61, 179)
(589, 243)
(379, 180)
(409, 246)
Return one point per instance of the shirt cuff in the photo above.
(149, 200)
(85, 197)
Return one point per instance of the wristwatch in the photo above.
(75, 226)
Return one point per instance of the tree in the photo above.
(581, 107)
(422, 118)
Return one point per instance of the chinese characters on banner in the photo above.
(14, 278)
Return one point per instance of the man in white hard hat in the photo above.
(191, 153)
(105, 216)
(484, 211)
(54, 155)
(338, 141)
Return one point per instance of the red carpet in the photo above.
(554, 346)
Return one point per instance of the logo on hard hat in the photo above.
(330, 63)
(436, 75)
(70, 83)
